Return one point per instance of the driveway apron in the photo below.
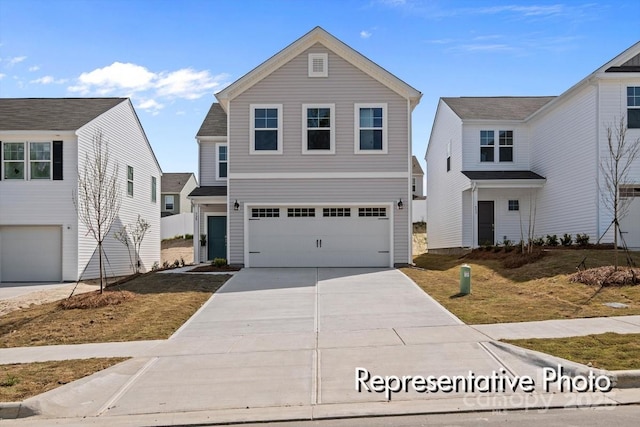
(294, 337)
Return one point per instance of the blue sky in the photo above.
(171, 56)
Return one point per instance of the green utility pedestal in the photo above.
(465, 280)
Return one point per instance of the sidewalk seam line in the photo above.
(126, 386)
(399, 337)
(498, 359)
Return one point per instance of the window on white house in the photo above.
(153, 189)
(301, 212)
(222, 162)
(506, 145)
(514, 205)
(487, 144)
(371, 128)
(633, 107)
(130, 181)
(13, 160)
(413, 184)
(40, 160)
(318, 129)
(448, 156)
(168, 202)
(266, 129)
(318, 65)
(629, 191)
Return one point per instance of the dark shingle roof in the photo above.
(174, 182)
(215, 123)
(496, 107)
(210, 191)
(52, 113)
(415, 166)
(480, 175)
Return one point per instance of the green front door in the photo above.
(216, 237)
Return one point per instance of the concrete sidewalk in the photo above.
(275, 344)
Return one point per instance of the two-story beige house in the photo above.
(306, 162)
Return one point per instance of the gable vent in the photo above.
(318, 65)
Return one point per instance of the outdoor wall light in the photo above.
(400, 204)
(236, 205)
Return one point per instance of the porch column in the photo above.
(474, 215)
(196, 234)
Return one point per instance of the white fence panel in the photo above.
(418, 211)
(176, 225)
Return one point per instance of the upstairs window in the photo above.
(222, 162)
(371, 128)
(318, 129)
(487, 144)
(153, 189)
(633, 107)
(266, 129)
(168, 202)
(40, 160)
(130, 181)
(506, 145)
(448, 156)
(13, 160)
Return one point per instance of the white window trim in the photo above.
(218, 177)
(173, 202)
(29, 161)
(25, 168)
(356, 128)
(130, 181)
(332, 129)
(496, 147)
(252, 127)
(154, 190)
(325, 59)
(513, 212)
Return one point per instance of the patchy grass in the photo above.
(608, 351)
(537, 291)
(24, 380)
(96, 299)
(162, 303)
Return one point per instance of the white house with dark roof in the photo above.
(491, 161)
(306, 162)
(43, 146)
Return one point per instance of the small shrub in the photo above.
(188, 236)
(566, 240)
(9, 381)
(182, 262)
(538, 241)
(219, 262)
(203, 240)
(175, 264)
(165, 265)
(582, 239)
(552, 240)
(155, 266)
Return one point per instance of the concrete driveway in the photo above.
(12, 290)
(276, 338)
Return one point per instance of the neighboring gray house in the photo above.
(175, 189)
(306, 161)
(44, 144)
(492, 162)
(417, 179)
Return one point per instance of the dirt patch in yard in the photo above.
(177, 249)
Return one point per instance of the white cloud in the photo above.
(2, 76)
(34, 68)
(48, 80)
(148, 87)
(15, 60)
(365, 34)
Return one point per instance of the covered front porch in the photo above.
(499, 206)
(209, 223)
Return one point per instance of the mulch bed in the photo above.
(213, 269)
(607, 276)
(96, 299)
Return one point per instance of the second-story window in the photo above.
(266, 129)
(633, 107)
(153, 189)
(487, 144)
(506, 145)
(371, 128)
(40, 160)
(168, 202)
(130, 181)
(13, 160)
(221, 161)
(318, 129)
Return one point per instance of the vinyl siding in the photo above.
(510, 225)
(204, 210)
(128, 147)
(207, 163)
(40, 202)
(444, 189)
(290, 86)
(471, 146)
(564, 152)
(185, 203)
(613, 106)
(281, 191)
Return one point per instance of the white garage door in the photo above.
(319, 237)
(30, 254)
(630, 224)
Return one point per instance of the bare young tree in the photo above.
(615, 167)
(134, 233)
(97, 199)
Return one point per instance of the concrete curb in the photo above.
(620, 379)
(13, 410)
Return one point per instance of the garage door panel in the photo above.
(30, 254)
(319, 241)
